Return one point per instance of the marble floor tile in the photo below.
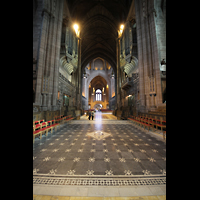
(74, 151)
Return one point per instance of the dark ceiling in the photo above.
(99, 21)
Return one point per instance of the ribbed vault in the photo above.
(98, 82)
(99, 21)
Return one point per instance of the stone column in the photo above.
(49, 59)
(141, 53)
(58, 29)
(83, 86)
(79, 97)
(44, 101)
(148, 56)
(41, 56)
(48, 55)
(118, 99)
(155, 56)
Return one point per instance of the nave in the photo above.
(104, 152)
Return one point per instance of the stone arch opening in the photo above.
(98, 74)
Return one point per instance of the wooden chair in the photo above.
(36, 122)
(41, 121)
(59, 119)
(146, 124)
(37, 131)
(44, 128)
(50, 127)
(159, 123)
(56, 125)
(69, 117)
(164, 135)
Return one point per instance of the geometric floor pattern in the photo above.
(104, 151)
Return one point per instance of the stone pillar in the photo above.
(155, 55)
(58, 29)
(83, 86)
(141, 39)
(44, 99)
(50, 58)
(41, 56)
(49, 98)
(148, 56)
(79, 96)
(118, 96)
(48, 55)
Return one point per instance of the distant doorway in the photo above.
(98, 107)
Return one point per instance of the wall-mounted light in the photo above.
(77, 31)
(120, 31)
(103, 91)
(93, 91)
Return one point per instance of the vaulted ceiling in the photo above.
(99, 21)
(98, 82)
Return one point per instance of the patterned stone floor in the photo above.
(42, 197)
(104, 146)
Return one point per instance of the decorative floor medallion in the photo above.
(99, 135)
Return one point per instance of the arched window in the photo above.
(98, 95)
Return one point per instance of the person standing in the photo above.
(89, 114)
(92, 115)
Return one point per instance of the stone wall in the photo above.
(57, 60)
(55, 52)
(47, 51)
(149, 53)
